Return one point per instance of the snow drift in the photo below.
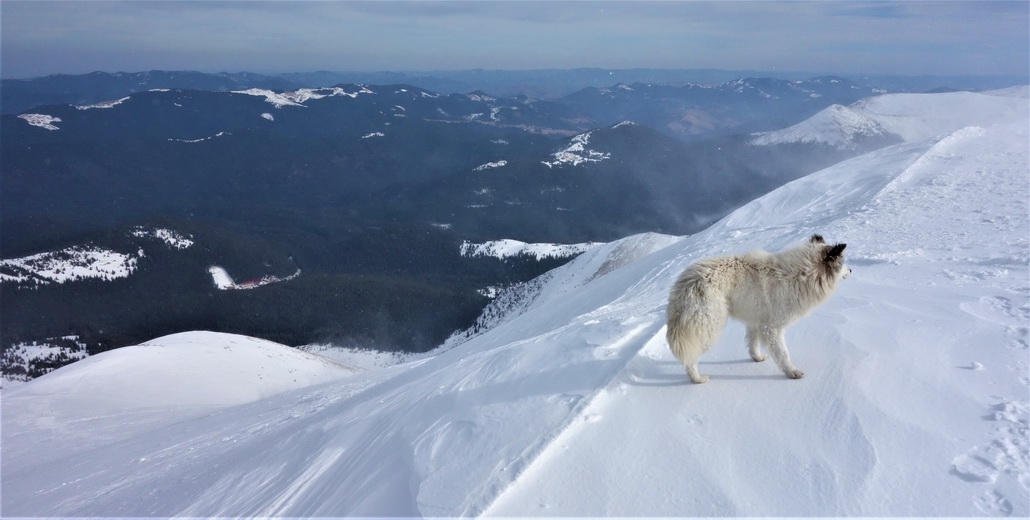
(915, 400)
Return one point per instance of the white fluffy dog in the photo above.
(767, 291)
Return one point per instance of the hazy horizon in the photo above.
(41, 38)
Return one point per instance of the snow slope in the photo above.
(915, 400)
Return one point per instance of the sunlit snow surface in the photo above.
(914, 401)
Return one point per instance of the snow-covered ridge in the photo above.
(299, 97)
(41, 120)
(68, 265)
(506, 248)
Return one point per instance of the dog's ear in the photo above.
(817, 239)
(833, 253)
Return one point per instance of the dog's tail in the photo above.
(696, 318)
(682, 339)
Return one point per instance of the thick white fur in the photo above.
(766, 291)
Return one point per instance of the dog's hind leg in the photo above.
(777, 346)
(688, 347)
(693, 371)
(754, 344)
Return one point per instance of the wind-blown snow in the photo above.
(915, 401)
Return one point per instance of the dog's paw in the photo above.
(699, 380)
(759, 357)
(795, 374)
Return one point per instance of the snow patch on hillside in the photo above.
(299, 97)
(68, 265)
(106, 104)
(201, 139)
(506, 248)
(171, 238)
(41, 120)
(577, 153)
(25, 361)
(220, 277)
(491, 165)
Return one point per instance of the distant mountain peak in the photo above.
(836, 125)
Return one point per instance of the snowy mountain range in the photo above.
(18, 95)
(360, 187)
(692, 111)
(915, 401)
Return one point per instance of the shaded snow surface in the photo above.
(915, 400)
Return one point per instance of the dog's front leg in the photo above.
(777, 346)
(753, 343)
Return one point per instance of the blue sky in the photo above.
(912, 37)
